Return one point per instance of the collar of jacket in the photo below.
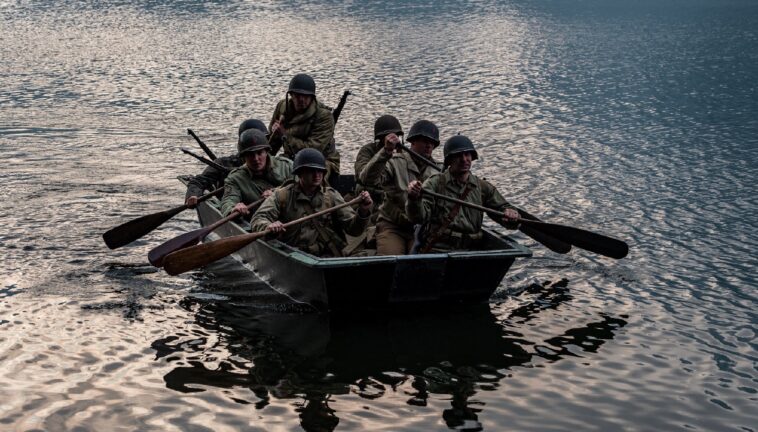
(303, 116)
(412, 164)
(450, 181)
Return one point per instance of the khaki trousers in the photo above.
(392, 239)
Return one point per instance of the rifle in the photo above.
(337, 111)
(202, 145)
(210, 163)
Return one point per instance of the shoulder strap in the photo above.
(325, 237)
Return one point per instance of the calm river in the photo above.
(633, 119)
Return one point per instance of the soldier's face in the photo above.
(256, 161)
(422, 146)
(310, 178)
(460, 163)
(300, 101)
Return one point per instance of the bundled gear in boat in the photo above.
(427, 129)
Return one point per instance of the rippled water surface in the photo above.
(635, 120)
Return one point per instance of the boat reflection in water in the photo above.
(312, 356)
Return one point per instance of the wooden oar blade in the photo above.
(194, 257)
(546, 240)
(158, 253)
(136, 228)
(587, 240)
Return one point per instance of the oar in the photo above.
(203, 254)
(546, 240)
(158, 253)
(202, 145)
(136, 228)
(580, 238)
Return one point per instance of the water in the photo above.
(637, 120)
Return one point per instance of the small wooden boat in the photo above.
(371, 282)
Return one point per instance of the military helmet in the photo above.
(251, 124)
(427, 129)
(386, 125)
(302, 84)
(252, 140)
(309, 158)
(458, 144)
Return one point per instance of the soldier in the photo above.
(385, 127)
(393, 171)
(301, 121)
(260, 173)
(449, 226)
(324, 236)
(211, 178)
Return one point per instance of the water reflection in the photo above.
(311, 358)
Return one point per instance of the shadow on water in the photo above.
(312, 357)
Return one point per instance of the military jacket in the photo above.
(365, 154)
(289, 203)
(211, 178)
(468, 220)
(313, 128)
(393, 173)
(241, 186)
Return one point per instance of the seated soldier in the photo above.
(260, 173)
(324, 236)
(393, 171)
(450, 226)
(213, 178)
(301, 121)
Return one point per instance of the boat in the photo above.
(372, 282)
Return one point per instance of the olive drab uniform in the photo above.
(393, 173)
(313, 128)
(212, 178)
(365, 154)
(241, 186)
(464, 231)
(323, 236)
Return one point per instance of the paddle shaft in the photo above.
(197, 256)
(578, 237)
(202, 145)
(206, 161)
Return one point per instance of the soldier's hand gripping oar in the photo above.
(543, 238)
(197, 256)
(159, 253)
(580, 238)
(136, 228)
(202, 145)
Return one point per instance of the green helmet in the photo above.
(252, 140)
(458, 144)
(302, 84)
(251, 124)
(309, 158)
(386, 125)
(427, 129)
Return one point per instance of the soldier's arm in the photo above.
(492, 198)
(276, 142)
(267, 213)
(349, 220)
(232, 196)
(320, 137)
(375, 172)
(419, 210)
